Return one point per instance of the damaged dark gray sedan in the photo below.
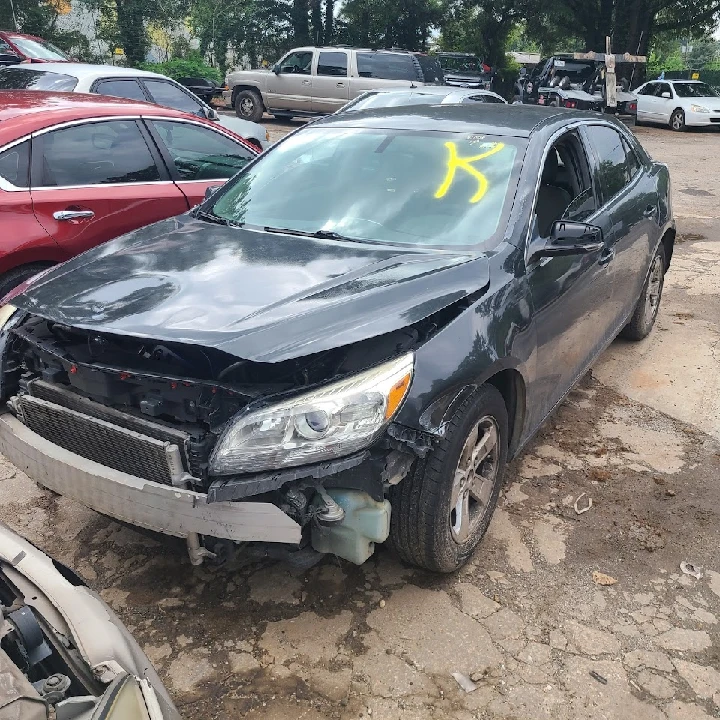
(349, 340)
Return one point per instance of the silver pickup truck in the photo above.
(317, 81)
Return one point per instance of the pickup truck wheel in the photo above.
(677, 120)
(442, 508)
(249, 105)
(646, 310)
(12, 278)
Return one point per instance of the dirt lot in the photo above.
(525, 620)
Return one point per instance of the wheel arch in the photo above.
(668, 242)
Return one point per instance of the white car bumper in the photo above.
(163, 508)
(696, 119)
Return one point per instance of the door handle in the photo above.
(606, 256)
(73, 214)
(649, 211)
(305, 82)
(341, 84)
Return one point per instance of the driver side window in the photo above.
(566, 190)
(297, 63)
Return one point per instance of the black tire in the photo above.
(12, 278)
(249, 105)
(421, 524)
(677, 120)
(646, 310)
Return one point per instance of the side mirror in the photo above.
(666, 95)
(567, 238)
(211, 114)
(210, 191)
(276, 69)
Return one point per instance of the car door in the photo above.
(646, 103)
(95, 180)
(290, 88)
(330, 84)
(23, 239)
(569, 294)
(628, 195)
(170, 94)
(664, 102)
(198, 156)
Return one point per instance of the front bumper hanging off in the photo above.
(155, 506)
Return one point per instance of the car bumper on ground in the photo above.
(162, 508)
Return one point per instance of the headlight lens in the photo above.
(335, 420)
(699, 109)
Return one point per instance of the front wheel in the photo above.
(677, 120)
(646, 310)
(442, 509)
(249, 105)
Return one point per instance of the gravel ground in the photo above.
(529, 620)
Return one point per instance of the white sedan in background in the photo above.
(127, 83)
(678, 103)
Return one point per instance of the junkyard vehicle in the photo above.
(63, 652)
(349, 339)
(138, 85)
(678, 103)
(580, 81)
(465, 70)
(315, 81)
(438, 95)
(78, 170)
(206, 90)
(17, 48)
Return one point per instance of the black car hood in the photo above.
(255, 295)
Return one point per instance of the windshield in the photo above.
(469, 65)
(696, 89)
(38, 49)
(26, 79)
(397, 187)
(576, 71)
(395, 99)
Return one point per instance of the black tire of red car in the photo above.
(423, 521)
(645, 313)
(12, 278)
(677, 120)
(249, 105)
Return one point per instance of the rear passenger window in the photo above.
(169, 95)
(617, 163)
(121, 88)
(96, 154)
(332, 63)
(387, 66)
(15, 164)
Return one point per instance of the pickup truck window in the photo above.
(332, 63)
(296, 63)
(386, 66)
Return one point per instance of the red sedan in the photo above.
(77, 170)
(16, 47)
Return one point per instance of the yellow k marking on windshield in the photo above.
(455, 162)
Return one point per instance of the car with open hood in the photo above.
(64, 653)
(349, 340)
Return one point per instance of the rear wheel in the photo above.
(677, 120)
(12, 278)
(249, 105)
(646, 310)
(442, 509)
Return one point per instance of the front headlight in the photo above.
(331, 421)
(699, 109)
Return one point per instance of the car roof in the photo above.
(83, 71)
(25, 111)
(482, 118)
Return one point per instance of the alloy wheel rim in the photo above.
(247, 106)
(654, 289)
(677, 122)
(474, 479)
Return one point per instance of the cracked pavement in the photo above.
(526, 621)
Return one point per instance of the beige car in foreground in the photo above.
(318, 81)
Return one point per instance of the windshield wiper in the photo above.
(213, 218)
(319, 234)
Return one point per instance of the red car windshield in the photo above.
(37, 49)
